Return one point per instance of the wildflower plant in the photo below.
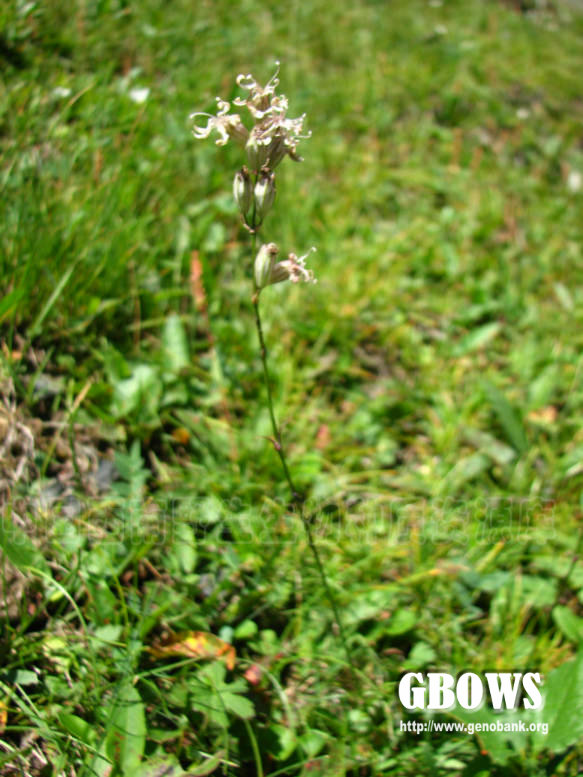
(269, 138)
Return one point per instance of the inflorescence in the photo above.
(272, 137)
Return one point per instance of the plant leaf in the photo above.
(196, 644)
(570, 624)
(18, 548)
(208, 767)
(478, 338)
(140, 392)
(238, 705)
(185, 547)
(77, 727)
(174, 345)
(401, 622)
(126, 731)
(563, 707)
(508, 417)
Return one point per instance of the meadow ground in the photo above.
(161, 612)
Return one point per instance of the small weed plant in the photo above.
(272, 137)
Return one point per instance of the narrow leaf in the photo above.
(59, 288)
(185, 547)
(508, 417)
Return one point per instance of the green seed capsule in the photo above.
(243, 191)
(264, 195)
(264, 262)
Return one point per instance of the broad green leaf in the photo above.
(313, 741)
(238, 705)
(401, 621)
(106, 635)
(246, 629)
(359, 721)
(420, 655)
(18, 548)
(492, 581)
(537, 591)
(24, 677)
(77, 727)
(562, 709)
(114, 363)
(58, 650)
(139, 393)
(126, 730)
(478, 338)
(100, 765)
(174, 346)
(570, 624)
(367, 605)
(284, 741)
(542, 388)
(184, 547)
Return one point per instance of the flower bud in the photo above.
(264, 195)
(243, 190)
(264, 262)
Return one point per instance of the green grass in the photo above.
(430, 386)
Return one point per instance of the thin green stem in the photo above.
(277, 444)
(298, 499)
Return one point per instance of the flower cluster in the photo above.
(271, 137)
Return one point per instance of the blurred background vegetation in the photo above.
(430, 385)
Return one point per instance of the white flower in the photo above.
(61, 91)
(139, 95)
(268, 272)
(228, 126)
(273, 134)
(294, 269)
(574, 180)
(262, 100)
